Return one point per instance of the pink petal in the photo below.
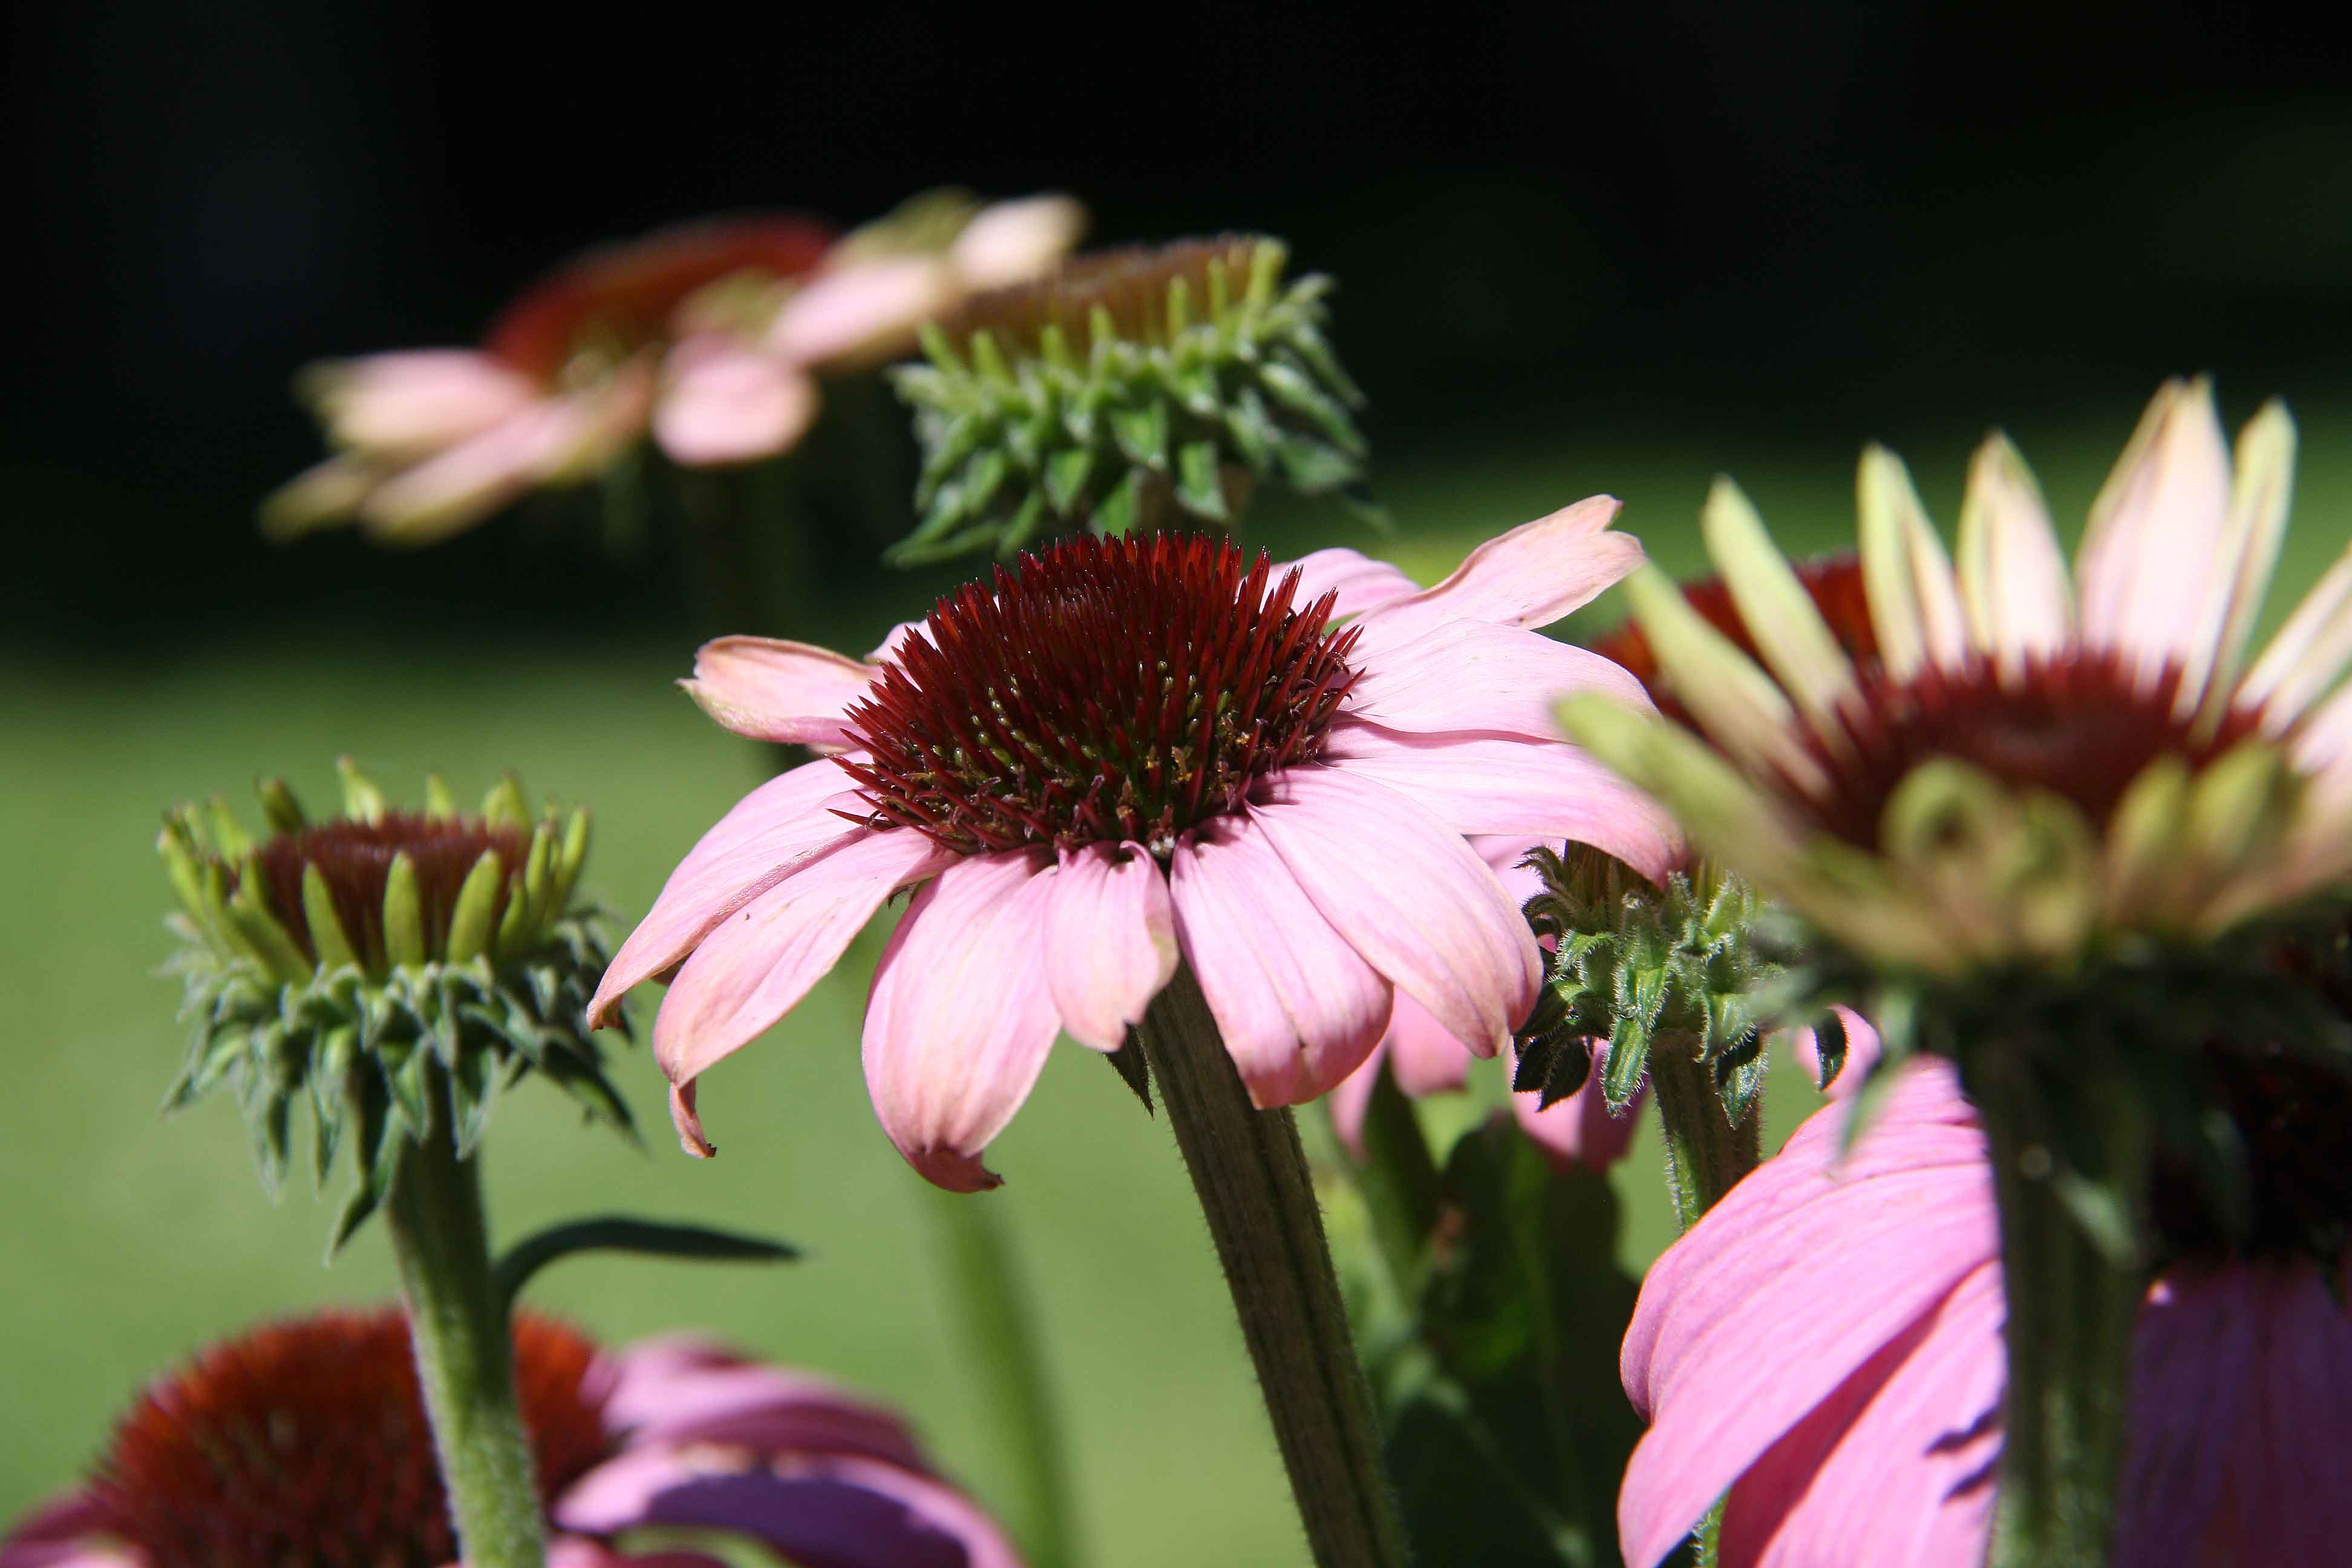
(771, 689)
(1531, 576)
(1361, 583)
(2196, 1371)
(729, 404)
(677, 1390)
(58, 1534)
(1012, 242)
(961, 1016)
(1581, 1133)
(1549, 791)
(1298, 1008)
(1423, 1052)
(1464, 677)
(2152, 551)
(1862, 1053)
(1841, 1259)
(864, 312)
(769, 833)
(1410, 896)
(572, 1552)
(1896, 1468)
(1110, 941)
(760, 961)
(407, 403)
(1352, 1097)
(458, 486)
(888, 652)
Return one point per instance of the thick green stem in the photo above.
(465, 1354)
(1252, 1179)
(992, 1316)
(1398, 1182)
(1705, 1154)
(2072, 1306)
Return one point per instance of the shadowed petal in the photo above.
(961, 1018)
(1483, 785)
(681, 1389)
(1862, 1053)
(1580, 1131)
(2012, 578)
(771, 689)
(1915, 600)
(2285, 1476)
(58, 1535)
(2151, 554)
(769, 833)
(728, 404)
(1531, 576)
(1298, 1008)
(2196, 1365)
(1456, 677)
(1110, 941)
(759, 962)
(1408, 895)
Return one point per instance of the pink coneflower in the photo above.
(1126, 754)
(1871, 1428)
(305, 1443)
(710, 335)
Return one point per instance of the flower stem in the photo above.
(1250, 1176)
(1705, 1154)
(2072, 1306)
(992, 1313)
(464, 1352)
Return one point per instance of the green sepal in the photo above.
(439, 804)
(1120, 510)
(505, 804)
(262, 933)
(471, 922)
(229, 839)
(1142, 435)
(1067, 474)
(1128, 1061)
(404, 915)
(1199, 488)
(362, 800)
(279, 804)
(327, 936)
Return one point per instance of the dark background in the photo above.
(1616, 217)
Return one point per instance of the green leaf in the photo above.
(621, 1233)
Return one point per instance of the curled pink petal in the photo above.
(866, 312)
(1531, 576)
(1479, 785)
(771, 689)
(408, 403)
(760, 961)
(1298, 1008)
(65, 1533)
(1360, 582)
(769, 833)
(1862, 1052)
(572, 1552)
(1411, 897)
(961, 1016)
(1423, 1052)
(1581, 1133)
(1012, 242)
(679, 1389)
(731, 404)
(1110, 941)
(1465, 676)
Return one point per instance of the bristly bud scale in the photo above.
(1134, 389)
(396, 969)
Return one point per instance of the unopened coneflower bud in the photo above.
(1144, 387)
(397, 969)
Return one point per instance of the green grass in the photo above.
(131, 1241)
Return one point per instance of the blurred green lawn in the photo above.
(129, 1242)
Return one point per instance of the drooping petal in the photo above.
(1531, 576)
(65, 1532)
(417, 401)
(1742, 709)
(1408, 894)
(2152, 550)
(1110, 941)
(1581, 1133)
(1423, 1052)
(1012, 242)
(1915, 600)
(1862, 1052)
(677, 1389)
(1897, 1466)
(961, 1015)
(1300, 1009)
(1360, 583)
(757, 963)
(1776, 610)
(1352, 1099)
(769, 833)
(2012, 578)
(1480, 785)
(1842, 1258)
(455, 488)
(1456, 677)
(863, 312)
(730, 404)
(769, 689)
(839, 1511)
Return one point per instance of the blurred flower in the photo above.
(1825, 1347)
(2025, 769)
(1125, 753)
(396, 969)
(305, 1442)
(1132, 389)
(711, 335)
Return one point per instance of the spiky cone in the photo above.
(396, 970)
(2055, 828)
(1143, 388)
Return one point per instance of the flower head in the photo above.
(2017, 771)
(396, 969)
(710, 335)
(1125, 754)
(305, 1442)
(1127, 389)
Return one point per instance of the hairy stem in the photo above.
(1705, 1154)
(1252, 1179)
(464, 1354)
